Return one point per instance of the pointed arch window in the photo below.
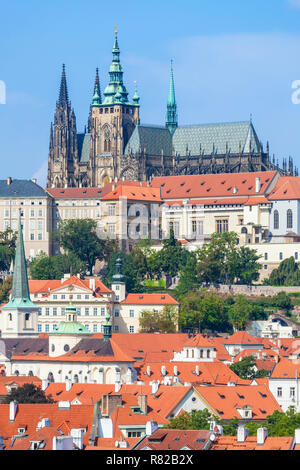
(276, 219)
(289, 219)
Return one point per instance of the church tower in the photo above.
(63, 153)
(171, 115)
(111, 123)
(19, 315)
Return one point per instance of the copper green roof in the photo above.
(171, 115)
(70, 328)
(20, 290)
(204, 139)
(115, 92)
(84, 147)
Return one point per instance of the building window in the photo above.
(95, 328)
(111, 209)
(280, 255)
(279, 392)
(55, 296)
(289, 219)
(102, 311)
(39, 328)
(32, 236)
(47, 311)
(87, 296)
(47, 328)
(266, 256)
(292, 392)
(296, 255)
(222, 226)
(63, 296)
(87, 312)
(131, 313)
(63, 311)
(131, 329)
(95, 311)
(78, 296)
(54, 311)
(79, 311)
(116, 313)
(116, 328)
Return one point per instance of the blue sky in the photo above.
(231, 59)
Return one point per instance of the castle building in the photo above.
(115, 143)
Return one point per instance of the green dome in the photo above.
(70, 328)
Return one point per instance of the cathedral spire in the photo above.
(97, 92)
(171, 115)
(116, 91)
(63, 92)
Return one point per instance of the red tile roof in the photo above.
(175, 439)
(287, 187)
(150, 299)
(134, 193)
(212, 185)
(45, 286)
(225, 401)
(271, 443)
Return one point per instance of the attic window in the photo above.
(229, 189)
(243, 182)
(182, 184)
(140, 351)
(284, 192)
(208, 190)
(188, 190)
(202, 183)
(168, 191)
(223, 182)
(221, 396)
(250, 187)
(99, 192)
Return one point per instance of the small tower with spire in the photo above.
(20, 314)
(118, 282)
(171, 115)
(63, 151)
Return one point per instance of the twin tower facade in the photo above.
(116, 145)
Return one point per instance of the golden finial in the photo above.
(116, 31)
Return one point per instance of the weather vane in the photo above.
(116, 31)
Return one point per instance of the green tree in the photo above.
(79, 236)
(5, 288)
(188, 280)
(54, 267)
(287, 274)
(244, 265)
(7, 248)
(28, 393)
(239, 312)
(199, 419)
(203, 310)
(164, 321)
(172, 256)
(246, 369)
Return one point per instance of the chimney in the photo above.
(297, 437)
(163, 370)
(235, 190)
(93, 284)
(9, 180)
(242, 433)
(257, 185)
(143, 403)
(175, 370)
(197, 370)
(45, 384)
(68, 385)
(118, 386)
(148, 371)
(151, 427)
(262, 434)
(110, 403)
(155, 386)
(13, 408)
(77, 435)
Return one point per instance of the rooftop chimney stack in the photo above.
(242, 433)
(257, 185)
(262, 434)
(9, 180)
(13, 408)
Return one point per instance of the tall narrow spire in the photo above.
(97, 92)
(63, 92)
(20, 289)
(116, 91)
(171, 115)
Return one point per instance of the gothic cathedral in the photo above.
(116, 145)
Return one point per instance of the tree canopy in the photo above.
(287, 274)
(164, 321)
(7, 248)
(54, 267)
(246, 369)
(28, 393)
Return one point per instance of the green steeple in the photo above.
(20, 290)
(115, 92)
(135, 98)
(97, 93)
(107, 327)
(118, 278)
(171, 115)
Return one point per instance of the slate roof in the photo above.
(210, 137)
(22, 346)
(84, 145)
(153, 138)
(21, 188)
